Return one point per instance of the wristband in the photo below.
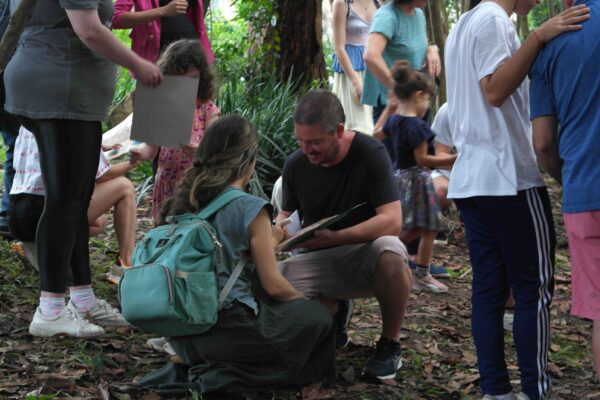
(540, 43)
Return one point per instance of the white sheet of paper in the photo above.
(164, 115)
(295, 225)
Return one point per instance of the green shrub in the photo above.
(125, 82)
(269, 105)
(229, 42)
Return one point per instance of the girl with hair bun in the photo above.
(409, 142)
(259, 342)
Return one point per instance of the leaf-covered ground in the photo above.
(438, 355)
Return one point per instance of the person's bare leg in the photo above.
(408, 236)
(98, 225)
(392, 287)
(117, 192)
(596, 347)
(425, 252)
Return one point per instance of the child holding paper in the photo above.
(183, 58)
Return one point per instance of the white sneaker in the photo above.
(428, 283)
(102, 313)
(161, 344)
(66, 323)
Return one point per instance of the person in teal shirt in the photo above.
(398, 32)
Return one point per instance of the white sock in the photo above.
(83, 298)
(52, 306)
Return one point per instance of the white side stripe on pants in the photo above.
(542, 234)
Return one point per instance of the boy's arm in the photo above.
(501, 84)
(545, 131)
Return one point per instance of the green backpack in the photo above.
(172, 288)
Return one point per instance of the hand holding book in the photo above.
(315, 235)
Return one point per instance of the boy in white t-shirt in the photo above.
(498, 189)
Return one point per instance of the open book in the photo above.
(308, 231)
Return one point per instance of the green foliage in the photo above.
(229, 41)
(125, 82)
(269, 105)
(539, 14)
(262, 40)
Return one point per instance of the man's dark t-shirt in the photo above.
(364, 175)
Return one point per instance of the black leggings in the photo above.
(69, 155)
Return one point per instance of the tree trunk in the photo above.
(14, 29)
(301, 47)
(437, 27)
(551, 8)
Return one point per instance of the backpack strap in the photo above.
(220, 201)
(231, 281)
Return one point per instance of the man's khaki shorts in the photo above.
(341, 272)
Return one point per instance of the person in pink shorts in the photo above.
(565, 92)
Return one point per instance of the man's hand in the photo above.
(322, 239)
(279, 233)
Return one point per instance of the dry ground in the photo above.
(438, 354)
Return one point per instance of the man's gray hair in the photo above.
(320, 106)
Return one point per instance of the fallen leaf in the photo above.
(470, 379)
(315, 392)
(120, 357)
(102, 391)
(428, 367)
(469, 357)
(349, 375)
(358, 387)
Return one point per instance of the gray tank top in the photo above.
(357, 29)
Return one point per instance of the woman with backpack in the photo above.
(259, 341)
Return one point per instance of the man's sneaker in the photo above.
(161, 344)
(437, 271)
(67, 323)
(102, 313)
(386, 361)
(342, 320)
(428, 283)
